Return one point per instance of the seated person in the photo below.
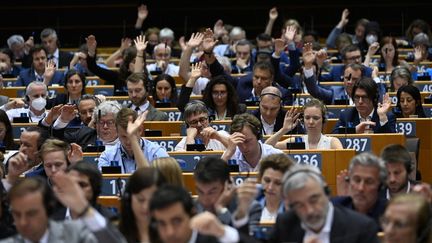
(367, 115)
(243, 62)
(36, 97)
(74, 85)
(409, 216)
(314, 119)
(216, 192)
(409, 103)
(122, 152)
(41, 70)
(366, 178)
(350, 54)
(164, 90)
(244, 144)
(270, 174)
(162, 55)
(270, 112)
(399, 77)
(7, 67)
(198, 129)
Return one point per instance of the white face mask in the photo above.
(371, 39)
(39, 103)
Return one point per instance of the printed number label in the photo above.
(308, 159)
(303, 100)
(427, 88)
(92, 82)
(219, 127)
(51, 93)
(115, 186)
(358, 144)
(174, 116)
(168, 145)
(238, 181)
(393, 99)
(407, 128)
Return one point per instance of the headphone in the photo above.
(255, 130)
(272, 94)
(326, 188)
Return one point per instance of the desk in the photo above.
(177, 128)
(13, 92)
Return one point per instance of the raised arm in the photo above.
(337, 30)
(273, 14)
(142, 15)
(49, 72)
(140, 44)
(186, 90)
(111, 77)
(194, 41)
(133, 136)
(371, 51)
(290, 122)
(125, 43)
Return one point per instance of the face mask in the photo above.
(371, 39)
(39, 103)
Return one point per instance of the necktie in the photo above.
(137, 109)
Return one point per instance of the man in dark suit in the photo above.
(50, 42)
(137, 91)
(367, 115)
(249, 87)
(37, 72)
(173, 210)
(32, 202)
(350, 54)
(313, 216)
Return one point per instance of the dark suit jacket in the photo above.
(347, 226)
(279, 123)
(351, 115)
(59, 99)
(374, 213)
(337, 72)
(27, 76)
(64, 59)
(153, 114)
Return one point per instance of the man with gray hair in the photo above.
(101, 127)
(20, 49)
(198, 130)
(313, 218)
(50, 42)
(366, 178)
(162, 55)
(35, 97)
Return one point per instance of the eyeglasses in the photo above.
(109, 123)
(219, 93)
(397, 224)
(363, 98)
(200, 120)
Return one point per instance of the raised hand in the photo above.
(246, 193)
(91, 45)
(209, 42)
(195, 40)
(17, 165)
(342, 184)
(140, 43)
(218, 28)
(290, 33)
(373, 48)
(69, 193)
(418, 53)
(279, 46)
(75, 154)
(226, 196)
(133, 127)
(196, 70)
(125, 43)
(344, 18)
(53, 114)
(142, 12)
(385, 106)
(308, 55)
(68, 113)
(28, 44)
(321, 56)
(273, 13)
(50, 69)
(182, 43)
(291, 119)
(364, 125)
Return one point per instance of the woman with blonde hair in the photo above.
(170, 170)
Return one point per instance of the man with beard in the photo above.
(398, 163)
(313, 218)
(198, 130)
(367, 175)
(137, 91)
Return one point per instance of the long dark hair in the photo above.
(415, 93)
(141, 179)
(71, 73)
(232, 97)
(8, 141)
(392, 41)
(171, 81)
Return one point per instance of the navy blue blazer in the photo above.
(337, 72)
(27, 76)
(351, 115)
(279, 123)
(244, 90)
(347, 226)
(374, 213)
